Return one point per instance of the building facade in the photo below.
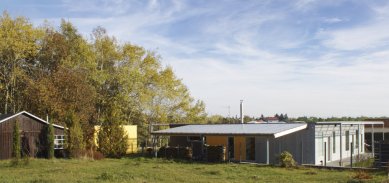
(309, 143)
(33, 131)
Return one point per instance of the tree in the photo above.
(16, 144)
(57, 69)
(17, 48)
(281, 117)
(50, 140)
(286, 118)
(75, 140)
(112, 139)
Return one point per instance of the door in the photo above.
(250, 148)
(230, 145)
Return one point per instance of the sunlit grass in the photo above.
(138, 169)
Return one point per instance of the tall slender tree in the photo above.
(50, 141)
(16, 145)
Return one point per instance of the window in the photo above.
(333, 142)
(59, 141)
(347, 140)
(357, 140)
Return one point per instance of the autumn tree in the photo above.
(56, 69)
(18, 46)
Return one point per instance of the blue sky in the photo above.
(302, 57)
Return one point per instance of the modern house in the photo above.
(309, 143)
(32, 133)
(132, 134)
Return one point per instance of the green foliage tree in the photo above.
(17, 48)
(16, 145)
(112, 139)
(50, 141)
(58, 69)
(76, 144)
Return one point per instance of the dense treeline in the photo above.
(83, 82)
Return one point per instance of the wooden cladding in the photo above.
(32, 134)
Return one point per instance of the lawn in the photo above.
(138, 169)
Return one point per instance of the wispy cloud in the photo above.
(333, 20)
(303, 57)
(370, 36)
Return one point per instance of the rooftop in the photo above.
(262, 129)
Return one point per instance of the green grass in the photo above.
(368, 163)
(138, 169)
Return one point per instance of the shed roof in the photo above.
(6, 117)
(262, 129)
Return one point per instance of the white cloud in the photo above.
(363, 37)
(238, 52)
(333, 20)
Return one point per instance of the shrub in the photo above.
(362, 175)
(50, 141)
(16, 143)
(97, 155)
(112, 140)
(215, 153)
(75, 143)
(175, 152)
(286, 160)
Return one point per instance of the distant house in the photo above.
(309, 143)
(131, 132)
(32, 134)
(271, 119)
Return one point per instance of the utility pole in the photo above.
(241, 111)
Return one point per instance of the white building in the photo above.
(310, 143)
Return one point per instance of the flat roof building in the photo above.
(310, 143)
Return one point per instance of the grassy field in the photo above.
(138, 169)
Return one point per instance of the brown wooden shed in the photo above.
(32, 134)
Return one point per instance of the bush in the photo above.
(286, 160)
(50, 141)
(216, 153)
(16, 144)
(75, 141)
(362, 175)
(88, 154)
(97, 155)
(175, 152)
(112, 140)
